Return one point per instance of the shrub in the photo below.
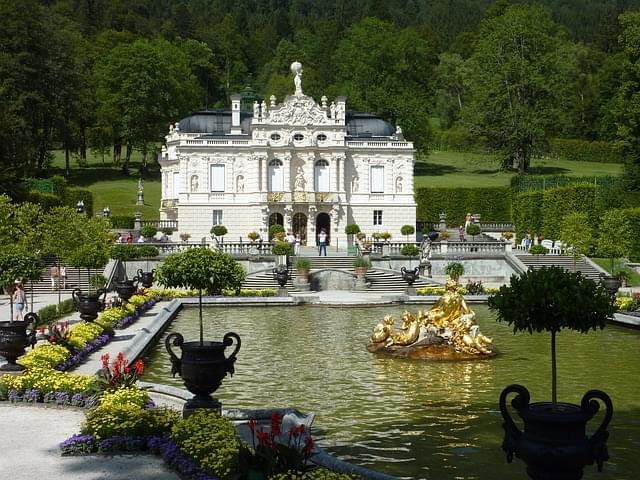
(508, 235)
(586, 151)
(98, 281)
(148, 231)
(122, 221)
(273, 229)
(558, 202)
(146, 251)
(455, 270)
(473, 229)
(410, 250)
(407, 230)
(46, 200)
(167, 230)
(303, 264)
(112, 419)
(52, 312)
(73, 195)
(211, 441)
(218, 230)
(385, 236)
(253, 236)
(282, 248)
(527, 212)
(47, 355)
(123, 251)
(352, 229)
(538, 250)
(361, 262)
(494, 203)
(125, 395)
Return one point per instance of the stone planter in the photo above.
(554, 444)
(612, 284)
(89, 304)
(202, 366)
(14, 339)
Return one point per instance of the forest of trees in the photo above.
(110, 75)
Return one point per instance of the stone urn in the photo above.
(410, 276)
(612, 284)
(14, 339)
(281, 274)
(145, 278)
(126, 288)
(89, 304)
(554, 444)
(202, 367)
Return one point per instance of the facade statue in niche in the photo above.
(240, 183)
(399, 185)
(256, 110)
(332, 110)
(340, 112)
(296, 69)
(299, 181)
(354, 184)
(194, 183)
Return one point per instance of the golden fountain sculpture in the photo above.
(447, 331)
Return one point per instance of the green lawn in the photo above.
(458, 169)
(634, 277)
(110, 187)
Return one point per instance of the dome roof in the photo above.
(360, 124)
(213, 122)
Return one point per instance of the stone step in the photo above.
(539, 261)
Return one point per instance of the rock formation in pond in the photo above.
(446, 332)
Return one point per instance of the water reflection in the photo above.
(409, 418)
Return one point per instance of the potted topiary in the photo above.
(217, 232)
(554, 443)
(303, 266)
(361, 266)
(507, 236)
(253, 236)
(455, 270)
(473, 229)
(407, 230)
(184, 236)
(614, 241)
(410, 276)
(203, 364)
(351, 230)
(149, 232)
(275, 228)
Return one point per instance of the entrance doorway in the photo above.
(276, 219)
(323, 220)
(300, 226)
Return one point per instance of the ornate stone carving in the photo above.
(298, 110)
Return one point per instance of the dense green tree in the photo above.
(450, 92)
(514, 82)
(388, 71)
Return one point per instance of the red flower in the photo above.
(263, 437)
(139, 367)
(276, 424)
(105, 361)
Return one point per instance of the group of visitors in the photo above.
(294, 240)
(58, 277)
(125, 237)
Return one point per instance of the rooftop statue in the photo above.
(296, 69)
(446, 331)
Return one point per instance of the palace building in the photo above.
(303, 165)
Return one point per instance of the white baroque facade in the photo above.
(301, 164)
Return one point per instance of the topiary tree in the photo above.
(455, 270)
(218, 231)
(148, 231)
(407, 230)
(614, 237)
(282, 248)
(202, 269)
(473, 229)
(551, 299)
(410, 250)
(351, 230)
(276, 228)
(89, 256)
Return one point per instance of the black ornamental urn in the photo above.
(126, 288)
(611, 284)
(89, 304)
(14, 339)
(554, 443)
(410, 276)
(281, 274)
(145, 278)
(202, 367)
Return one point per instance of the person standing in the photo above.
(63, 276)
(19, 301)
(55, 272)
(296, 245)
(322, 242)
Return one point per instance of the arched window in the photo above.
(322, 183)
(276, 176)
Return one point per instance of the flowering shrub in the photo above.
(125, 396)
(211, 441)
(47, 380)
(46, 355)
(270, 455)
(108, 420)
(83, 333)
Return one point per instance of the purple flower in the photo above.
(31, 396)
(78, 444)
(14, 396)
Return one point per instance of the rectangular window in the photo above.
(217, 217)
(175, 186)
(217, 178)
(377, 179)
(377, 217)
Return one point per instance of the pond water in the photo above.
(407, 418)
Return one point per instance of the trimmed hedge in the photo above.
(51, 313)
(46, 200)
(527, 212)
(494, 204)
(633, 217)
(122, 221)
(583, 150)
(73, 195)
(557, 202)
(458, 141)
(525, 183)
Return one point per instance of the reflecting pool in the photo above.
(412, 419)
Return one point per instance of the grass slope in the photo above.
(632, 275)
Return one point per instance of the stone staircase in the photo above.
(75, 278)
(380, 280)
(539, 261)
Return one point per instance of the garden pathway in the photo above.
(29, 447)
